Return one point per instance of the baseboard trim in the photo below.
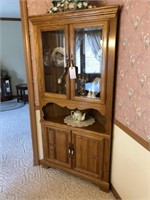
(115, 193)
(9, 19)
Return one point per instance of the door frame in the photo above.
(29, 74)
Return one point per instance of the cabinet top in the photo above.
(103, 11)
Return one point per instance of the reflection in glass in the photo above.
(88, 59)
(53, 61)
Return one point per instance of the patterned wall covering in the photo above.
(132, 106)
(133, 77)
(36, 7)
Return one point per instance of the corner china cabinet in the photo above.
(75, 56)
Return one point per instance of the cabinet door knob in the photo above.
(72, 152)
(69, 151)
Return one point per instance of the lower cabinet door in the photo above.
(56, 146)
(89, 152)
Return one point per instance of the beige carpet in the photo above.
(20, 180)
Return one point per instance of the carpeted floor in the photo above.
(10, 105)
(20, 180)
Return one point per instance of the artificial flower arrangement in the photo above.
(64, 5)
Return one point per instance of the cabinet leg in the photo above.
(17, 95)
(44, 165)
(104, 188)
(23, 96)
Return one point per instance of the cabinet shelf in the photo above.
(97, 127)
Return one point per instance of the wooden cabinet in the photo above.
(56, 143)
(75, 57)
(88, 154)
(81, 152)
(5, 89)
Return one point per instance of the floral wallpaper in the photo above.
(132, 105)
(133, 74)
(38, 7)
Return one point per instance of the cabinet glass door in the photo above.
(87, 55)
(54, 61)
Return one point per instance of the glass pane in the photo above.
(88, 59)
(53, 61)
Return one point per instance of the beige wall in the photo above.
(39, 135)
(12, 56)
(130, 171)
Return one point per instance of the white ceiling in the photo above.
(9, 8)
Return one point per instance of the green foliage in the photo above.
(64, 5)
